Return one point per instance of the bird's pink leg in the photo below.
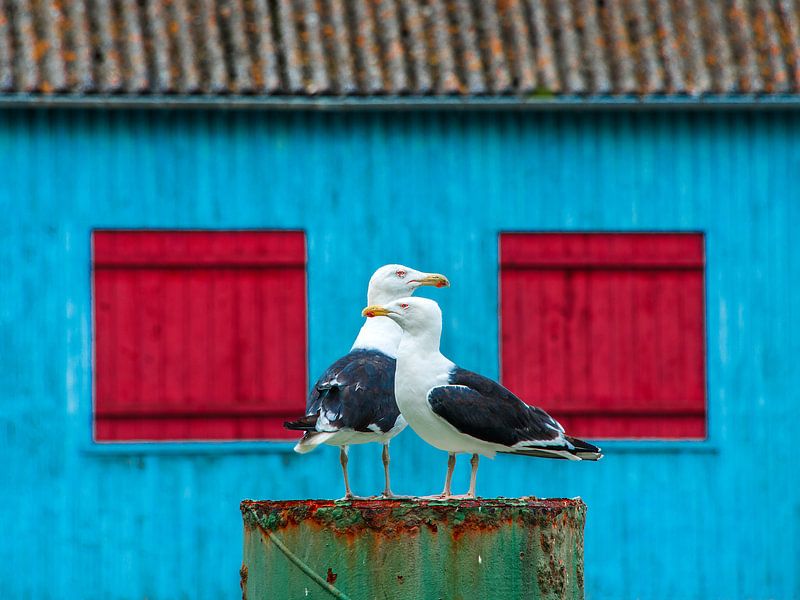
(473, 478)
(387, 492)
(451, 465)
(348, 495)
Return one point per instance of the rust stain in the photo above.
(392, 518)
(243, 580)
(331, 577)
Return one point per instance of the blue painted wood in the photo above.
(716, 519)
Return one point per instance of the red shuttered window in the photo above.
(198, 335)
(606, 331)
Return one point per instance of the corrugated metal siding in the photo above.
(404, 47)
(714, 520)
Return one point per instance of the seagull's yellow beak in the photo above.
(434, 279)
(375, 311)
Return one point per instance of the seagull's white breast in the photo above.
(417, 374)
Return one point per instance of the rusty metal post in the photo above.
(499, 549)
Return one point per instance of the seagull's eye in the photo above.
(404, 306)
(400, 273)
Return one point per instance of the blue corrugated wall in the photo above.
(714, 519)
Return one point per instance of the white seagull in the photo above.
(457, 410)
(353, 401)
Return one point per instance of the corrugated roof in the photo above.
(453, 48)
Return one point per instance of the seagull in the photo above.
(353, 401)
(459, 411)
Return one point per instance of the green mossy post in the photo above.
(415, 549)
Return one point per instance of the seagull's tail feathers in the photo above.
(584, 450)
(542, 453)
(311, 440)
(307, 423)
(579, 450)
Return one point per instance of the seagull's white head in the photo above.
(391, 282)
(417, 316)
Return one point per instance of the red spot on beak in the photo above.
(441, 284)
(370, 314)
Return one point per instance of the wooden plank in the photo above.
(609, 250)
(215, 353)
(198, 249)
(221, 429)
(594, 341)
(634, 426)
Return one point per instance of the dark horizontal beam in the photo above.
(567, 265)
(165, 264)
(236, 412)
(404, 103)
(183, 412)
(644, 411)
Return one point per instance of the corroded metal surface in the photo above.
(417, 549)
(417, 47)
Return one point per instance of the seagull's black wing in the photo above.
(479, 407)
(356, 392)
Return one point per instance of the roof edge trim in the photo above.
(399, 103)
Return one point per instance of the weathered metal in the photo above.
(499, 548)
(154, 520)
(518, 48)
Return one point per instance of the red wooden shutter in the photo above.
(606, 331)
(198, 335)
